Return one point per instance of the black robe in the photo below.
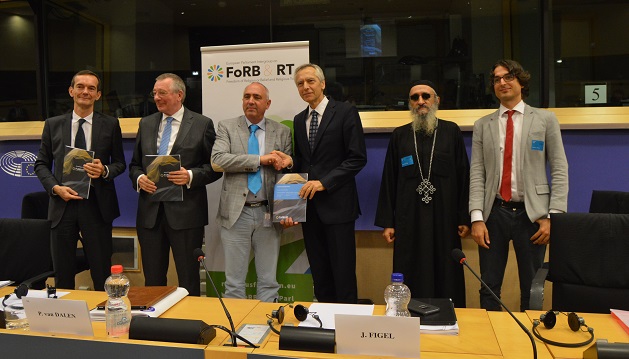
(425, 234)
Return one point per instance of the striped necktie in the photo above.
(163, 146)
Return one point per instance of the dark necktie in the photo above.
(314, 126)
(505, 187)
(254, 179)
(79, 139)
(163, 145)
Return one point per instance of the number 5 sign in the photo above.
(595, 94)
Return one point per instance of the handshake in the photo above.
(279, 160)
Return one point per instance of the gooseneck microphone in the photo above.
(200, 256)
(459, 257)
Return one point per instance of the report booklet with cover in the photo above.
(157, 171)
(74, 176)
(286, 201)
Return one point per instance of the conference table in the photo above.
(482, 334)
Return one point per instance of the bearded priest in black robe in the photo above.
(424, 198)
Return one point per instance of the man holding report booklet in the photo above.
(79, 157)
(175, 145)
(246, 150)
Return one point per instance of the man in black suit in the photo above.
(330, 147)
(69, 213)
(177, 225)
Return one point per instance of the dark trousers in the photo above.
(505, 224)
(155, 245)
(331, 250)
(84, 217)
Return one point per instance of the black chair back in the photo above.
(609, 202)
(24, 249)
(35, 205)
(588, 262)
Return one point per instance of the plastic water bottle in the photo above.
(118, 308)
(397, 295)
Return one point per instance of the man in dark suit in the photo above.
(177, 225)
(69, 213)
(330, 147)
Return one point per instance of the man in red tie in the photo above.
(510, 192)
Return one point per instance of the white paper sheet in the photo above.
(622, 316)
(440, 329)
(31, 294)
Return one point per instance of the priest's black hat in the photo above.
(424, 82)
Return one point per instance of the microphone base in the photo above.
(171, 330)
(604, 350)
(307, 339)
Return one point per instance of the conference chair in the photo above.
(609, 202)
(25, 250)
(587, 263)
(35, 205)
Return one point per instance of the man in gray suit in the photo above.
(510, 193)
(70, 214)
(177, 225)
(243, 150)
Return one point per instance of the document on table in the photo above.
(439, 329)
(4, 283)
(327, 311)
(98, 315)
(622, 317)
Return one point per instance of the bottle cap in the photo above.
(116, 269)
(397, 277)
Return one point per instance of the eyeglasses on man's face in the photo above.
(160, 93)
(507, 77)
(415, 97)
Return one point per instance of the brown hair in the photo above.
(516, 70)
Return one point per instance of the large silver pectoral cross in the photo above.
(426, 188)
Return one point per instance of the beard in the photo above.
(425, 123)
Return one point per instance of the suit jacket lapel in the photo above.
(153, 123)
(494, 126)
(269, 139)
(97, 126)
(243, 134)
(303, 134)
(67, 130)
(328, 114)
(184, 128)
(527, 124)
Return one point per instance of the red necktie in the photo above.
(505, 187)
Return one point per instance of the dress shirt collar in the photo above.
(261, 124)
(88, 118)
(177, 116)
(320, 108)
(519, 108)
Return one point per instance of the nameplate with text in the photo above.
(377, 335)
(58, 316)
